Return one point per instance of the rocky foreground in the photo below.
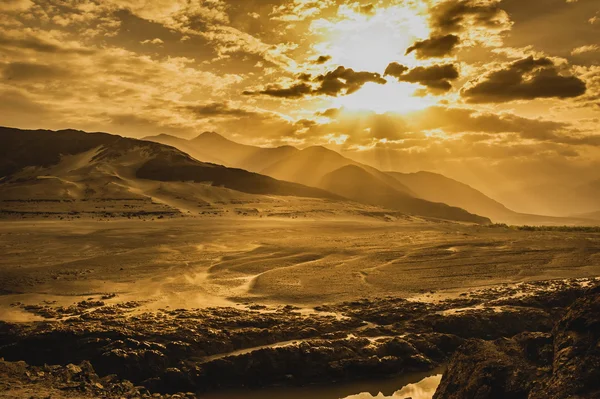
(560, 364)
(499, 342)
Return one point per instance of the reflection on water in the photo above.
(415, 386)
(423, 389)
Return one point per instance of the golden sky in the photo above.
(502, 90)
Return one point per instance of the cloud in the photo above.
(585, 49)
(153, 41)
(296, 91)
(434, 47)
(457, 15)
(345, 81)
(341, 81)
(216, 109)
(28, 40)
(15, 5)
(322, 59)
(436, 77)
(367, 9)
(464, 120)
(448, 123)
(525, 79)
(299, 10)
(25, 71)
(329, 113)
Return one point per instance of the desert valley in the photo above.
(324, 199)
(166, 274)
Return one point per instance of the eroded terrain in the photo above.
(124, 309)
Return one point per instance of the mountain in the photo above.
(187, 147)
(78, 166)
(563, 199)
(212, 147)
(590, 215)
(356, 183)
(309, 166)
(439, 188)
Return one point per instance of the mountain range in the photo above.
(210, 171)
(324, 168)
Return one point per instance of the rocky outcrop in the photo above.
(562, 364)
(196, 350)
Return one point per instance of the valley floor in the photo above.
(224, 262)
(176, 302)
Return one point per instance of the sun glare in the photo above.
(370, 43)
(391, 97)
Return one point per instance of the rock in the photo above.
(482, 369)
(576, 362)
(562, 364)
(492, 324)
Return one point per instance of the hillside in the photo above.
(356, 183)
(590, 215)
(438, 188)
(307, 166)
(212, 147)
(107, 172)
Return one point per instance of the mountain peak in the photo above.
(319, 149)
(209, 136)
(160, 136)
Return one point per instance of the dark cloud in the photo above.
(25, 71)
(330, 113)
(436, 77)
(526, 79)
(305, 123)
(345, 81)
(436, 46)
(216, 109)
(341, 81)
(296, 91)
(305, 77)
(40, 45)
(322, 59)
(453, 15)
(395, 69)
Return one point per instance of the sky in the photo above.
(501, 94)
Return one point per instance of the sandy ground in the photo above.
(216, 262)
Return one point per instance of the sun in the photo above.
(369, 43)
(391, 97)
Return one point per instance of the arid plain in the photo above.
(202, 262)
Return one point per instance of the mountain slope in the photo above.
(103, 158)
(310, 165)
(590, 215)
(187, 147)
(438, 188)
(356, 183)
(212, 147)
(287, 163)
